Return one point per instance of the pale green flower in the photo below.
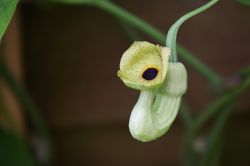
(162, 80)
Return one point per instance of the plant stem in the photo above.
(7, 118)
(221, 102)
(25, 100)
(131, 19)
(30, 109)
(185, 116)
(173, 30)
(130, 32)
(213, 145)
(189, 154)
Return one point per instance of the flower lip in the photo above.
(150, 74)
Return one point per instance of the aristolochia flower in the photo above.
(145, 67)
(162, 80)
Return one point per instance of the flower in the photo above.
(145, 67)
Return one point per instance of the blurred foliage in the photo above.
(30, 109)
(244, 2)
(7, 8)
(13, 152)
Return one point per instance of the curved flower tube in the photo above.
(156, 109)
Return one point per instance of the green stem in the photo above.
(213, 146)
(7, 118)
(172, 33)
(131, 19)
(130, 32)
(189, 153)
(25, 100)
(30, 109)
(185, 116)
(221, 102)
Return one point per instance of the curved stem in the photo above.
(172, 33)
(189, 153)
(220, 102)
(185, 115)
(213, 147)
(29, 107)
(25, 100)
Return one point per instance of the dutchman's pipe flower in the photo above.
(162, 80)
(145, 67)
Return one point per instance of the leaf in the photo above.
(13, 151)
(244, 2)
(7, 8)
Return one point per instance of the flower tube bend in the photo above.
(156, 109)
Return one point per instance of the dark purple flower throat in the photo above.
(150, 74)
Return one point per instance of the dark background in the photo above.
(71, 55)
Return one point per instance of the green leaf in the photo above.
(7, 8)
(244, 2)
(13, 151)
